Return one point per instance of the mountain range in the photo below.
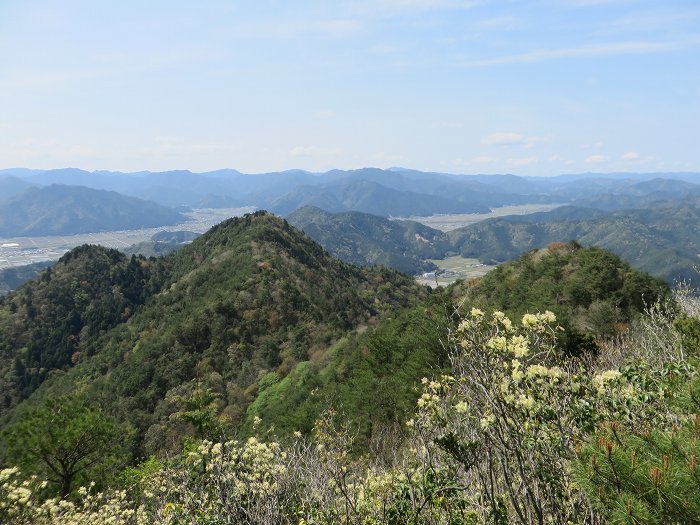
(385, 192)
(272, 326)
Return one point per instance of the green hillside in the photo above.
(593, 292)
(11, 278)
(50, 324)
(364, 239)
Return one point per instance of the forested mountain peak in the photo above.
(250, 298)
(47, 324)
(593, 292)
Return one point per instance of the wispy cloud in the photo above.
(509, 138)
(303, 151)
(32, 149)
(425, 4)
(594, 159)
(594, 50)
(483, 159)
(180, 147)
(632, 157)
(522, 161)
(383, 159)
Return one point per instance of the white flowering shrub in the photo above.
(21, 503)
(512, 414)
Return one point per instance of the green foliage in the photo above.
(689, 329)
(648, 474)
(67, 440)
(516, 433)
(53, 323)
(251, 297)
(200, 410)
(373, 376)
(592, 292)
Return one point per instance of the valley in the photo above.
(20, 251)
(448, 222)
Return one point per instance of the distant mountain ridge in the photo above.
(60, 209)
(385, 192)
(11, 186)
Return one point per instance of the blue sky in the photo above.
(526, 87)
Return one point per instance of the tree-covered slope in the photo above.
(47, 324)
(58, 209)
(372, 376)
(593, 292)
(254, 329)
(365, 239)
(251, 297)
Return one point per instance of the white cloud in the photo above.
(503, 139)
(615, 48)
(385, 159)
(522, 162)
(510, 138)
(39, 147)
(303, 151)
(180, 147)
(483, 159)
(631, 156)
(594, 159)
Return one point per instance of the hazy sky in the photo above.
(526, 87)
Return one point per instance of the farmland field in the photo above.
(455, 268)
